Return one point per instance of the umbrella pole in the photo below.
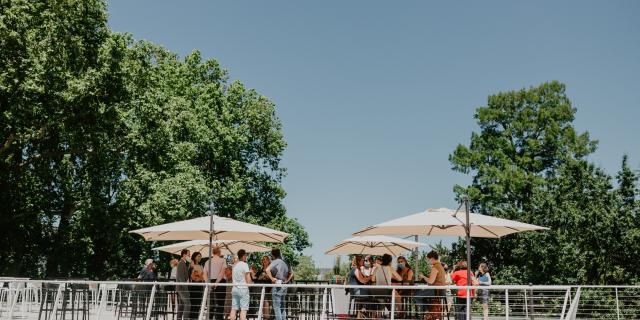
(416, 260)
(468, 240)
(210, 242)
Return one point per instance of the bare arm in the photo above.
(271, 277)
(395, 275)
(361, 278)
(432, 276)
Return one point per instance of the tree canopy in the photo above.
(530, 164)
(101, 134)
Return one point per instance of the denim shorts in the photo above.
(240, 298)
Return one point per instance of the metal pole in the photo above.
(416, 260)
(323, 314)
(151, 299)
(203, 304)
(103, 300)
(260, 311)
(210, 240)
(210, 254)
(567, 296)
(617, 304)
(393, 304)
(506, 303)
(468, 240)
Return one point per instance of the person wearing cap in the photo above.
(147, 274)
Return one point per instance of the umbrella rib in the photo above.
(430, 230)
(401, 246)
(387, 247)
(270, 237)
(487, 230)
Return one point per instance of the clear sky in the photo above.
(375, 95)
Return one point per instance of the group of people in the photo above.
(216, 270)
(378, 271)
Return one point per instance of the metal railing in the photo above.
(102, 300)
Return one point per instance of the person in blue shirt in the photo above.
(279, 273)
(484, 279)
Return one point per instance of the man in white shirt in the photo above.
(240, 292)
(216, 298)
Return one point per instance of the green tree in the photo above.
(529, 164)
(306, 269)
(100, 134)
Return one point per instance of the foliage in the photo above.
(529, 164)
(306, 269)
(100, 134)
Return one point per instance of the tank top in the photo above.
(441, 279)
(353, 279)
(383, 275)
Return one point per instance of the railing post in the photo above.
(617, 304)
(260, 311)
(468, 302)
(151, 300)
(567, 296)
(323, 314)
(526, 305)
(57, 300)
(393, 303)
(532, 314)
(203, 304)
(506, 303)
(103, 300)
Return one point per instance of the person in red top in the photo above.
(459, 277)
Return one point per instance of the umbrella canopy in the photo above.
(448, 222)
(199, 229)
(376, 245)
(227, 247)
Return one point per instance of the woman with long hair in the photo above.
(261, 276)
(459, 277)
(356, 277)
(406, 273)
(196, 276)
(382, 276)
(484, 279)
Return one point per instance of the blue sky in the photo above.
(375, 95)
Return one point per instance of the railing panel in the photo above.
(166, 300)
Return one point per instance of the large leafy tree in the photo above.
(100, 134)
(530, 164)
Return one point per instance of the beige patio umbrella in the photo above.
(375, 245)
(227, 247)
(219, 228)
(211, 227)
(448, 222)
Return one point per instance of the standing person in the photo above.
(196, 276)
(382, 276)
(147, 274)
(404, 270)
(354, 278)
(459, 277)
(240, 292)
(484, 279)
(182, 276)
(433, 298)
(367, 266)
(261, 276)
(279, 273)
(218, 265)
(174, 269)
